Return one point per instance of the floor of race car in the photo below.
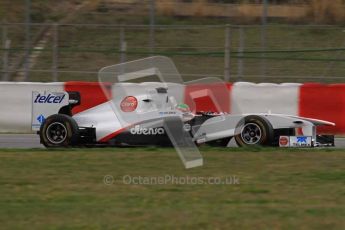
(32, 141)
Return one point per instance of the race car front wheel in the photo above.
(59, 130)
(255, 131)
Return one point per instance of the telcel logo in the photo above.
(49, 99)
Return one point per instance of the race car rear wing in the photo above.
(45, 104)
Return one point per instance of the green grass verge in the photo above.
(278, 189)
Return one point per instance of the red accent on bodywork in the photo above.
(91, 94)
(324, 102)
(112, 135)
(117, 132)
(129, 104)
(299, 132)
(205, 97)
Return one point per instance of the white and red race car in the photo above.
(152, 113)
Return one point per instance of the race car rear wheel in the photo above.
(255, 131)
(59, 130)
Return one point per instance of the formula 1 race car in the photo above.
(151, 113)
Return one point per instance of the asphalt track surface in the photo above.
(32, 141)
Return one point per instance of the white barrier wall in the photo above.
(15, 104)
(265, 97)
(318, 101)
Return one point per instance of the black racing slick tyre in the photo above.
(256, 131)
(59, 130)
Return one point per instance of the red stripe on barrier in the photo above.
(214, 97)
(325, 102)
(91, 94)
